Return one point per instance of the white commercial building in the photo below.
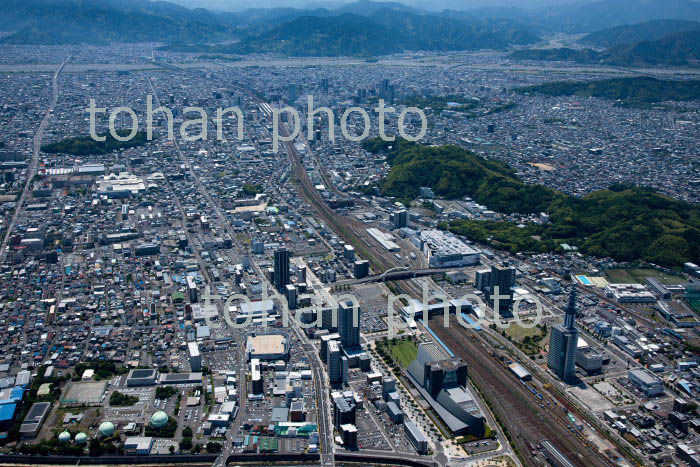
(630, 293)
(649, 384)
(195, 357)
(138, 445)
(125, 183)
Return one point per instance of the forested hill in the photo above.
(453, 172)
(82, 145)
(625, 223)
(627, 90)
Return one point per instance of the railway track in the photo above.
(351, 230)
(527, 422)
(348, 228)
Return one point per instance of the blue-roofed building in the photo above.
(11, 395)
(685, 386)
(603, 328)
(7, 415)
(10, 398)
(17, 393)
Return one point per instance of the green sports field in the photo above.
(639, 276)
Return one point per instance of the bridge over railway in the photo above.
(398, 273)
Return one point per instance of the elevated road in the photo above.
(370, 457)
(398, 273)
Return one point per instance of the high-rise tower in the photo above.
(281, 271)
(563, 342)
(349, 325)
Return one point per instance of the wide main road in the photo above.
(327, 455)
(34, 163)
(227, 447)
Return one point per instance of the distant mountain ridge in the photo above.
(633, 33)
(368, 7)
(346, 34)
(682, 49)
(587, 16)
(382, 31)
(361, 28)
(431, 32)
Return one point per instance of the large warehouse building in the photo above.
(141, 377)
(444, 250)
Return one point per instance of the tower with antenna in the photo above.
(570, 315)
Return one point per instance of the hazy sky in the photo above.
(234, 5)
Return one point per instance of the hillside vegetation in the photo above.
(625, 223)
(105, 22)
(82, 145)
(682, 49)
(628, 90)
(347, 34)
(453, 172)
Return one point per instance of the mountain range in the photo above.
(346, 34)
(585, 16)
(361, 28)
(682, 49)
(641, 31)
(383, 32)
